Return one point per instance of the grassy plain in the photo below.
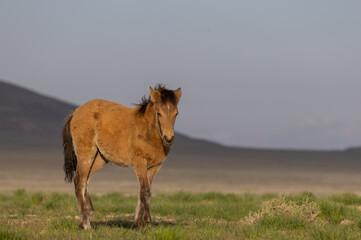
(183, 215)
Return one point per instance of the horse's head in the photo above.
(165, 102)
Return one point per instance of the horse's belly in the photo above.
(115, 154)
(120, 159)
(122, 164)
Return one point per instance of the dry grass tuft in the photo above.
(279, 207)
(347, 222)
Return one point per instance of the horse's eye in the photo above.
(159, 115)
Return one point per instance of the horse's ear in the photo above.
(178, 94)
(155, 96)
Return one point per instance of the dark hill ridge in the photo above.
(354, 149)
(25, 112)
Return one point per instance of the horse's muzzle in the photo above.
(168, 141)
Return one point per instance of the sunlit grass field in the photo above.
(184, 215)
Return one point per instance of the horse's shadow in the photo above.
(113, 223)
(127, 224)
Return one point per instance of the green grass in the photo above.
(184, 215)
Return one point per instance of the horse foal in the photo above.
(101, 131)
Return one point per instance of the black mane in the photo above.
(143, 105)
(166, 95)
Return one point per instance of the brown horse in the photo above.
(100, 131)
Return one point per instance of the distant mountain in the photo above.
(354, 149)
(23, 111)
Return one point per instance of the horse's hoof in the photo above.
(147, 222)
(85, 226)
(138, 224)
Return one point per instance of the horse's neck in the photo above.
(151, 121)
(153, 131)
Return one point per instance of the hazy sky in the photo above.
(253, 73)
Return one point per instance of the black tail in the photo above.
(70, 159)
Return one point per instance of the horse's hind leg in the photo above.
(88, 204)
(80, 190)
(98, 163)
(85, 161)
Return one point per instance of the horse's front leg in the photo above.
(150, 174)
(142, 214)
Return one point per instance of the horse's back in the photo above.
(97, 107)
(86, 117)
